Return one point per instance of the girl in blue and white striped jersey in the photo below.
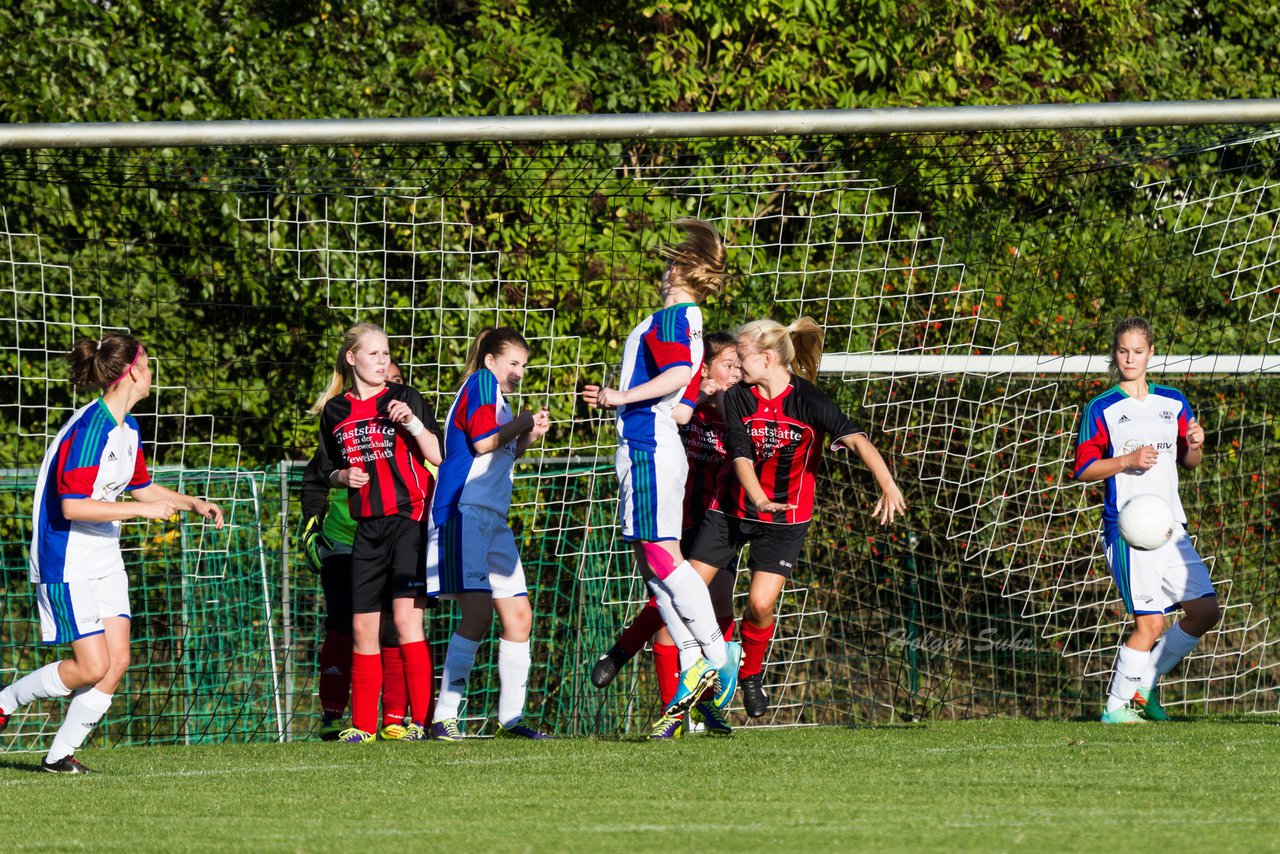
(81, 587)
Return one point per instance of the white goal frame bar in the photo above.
(874, 122)
(896, 364)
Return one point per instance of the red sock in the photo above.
(726, 626)
(666, 658)
(366, 684)
(754, 643)
(420, 677)
(642, 628)
(335, 674)
(395, 693)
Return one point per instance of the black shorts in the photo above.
(388, 561)
(689, 536)
(336, 580)
(774, 548)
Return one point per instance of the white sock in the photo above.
(1130, 664)
(683, 640)
(1169, 652)
(86, 709)
(513, 675)
(42, 684)
(692, 603)
(458, 661)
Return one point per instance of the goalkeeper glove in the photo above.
(315, 544)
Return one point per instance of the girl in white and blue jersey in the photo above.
(76, 565)
(661, 366)
(471, 551)
(1133, 437)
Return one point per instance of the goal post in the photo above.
(966, 264)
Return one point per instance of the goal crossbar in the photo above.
(906, 363)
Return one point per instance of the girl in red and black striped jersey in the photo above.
(778, 423)
(326, 546)
(375, 439)
(705, 445)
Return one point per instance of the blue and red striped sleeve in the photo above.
(480, 409)
(1093, 440)
(1184, 421)
(141, 477)
(79, 458)
(693, 390)
(668, 340)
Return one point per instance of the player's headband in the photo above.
(136, 357)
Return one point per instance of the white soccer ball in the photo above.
(1146, 522)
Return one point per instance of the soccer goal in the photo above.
(967, 266)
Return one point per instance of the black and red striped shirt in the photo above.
(783, 437)
(357, 433)
(706, 447)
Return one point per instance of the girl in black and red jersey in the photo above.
(375, 439)
(704, 440)
(778, 423)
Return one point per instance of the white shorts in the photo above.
(474, 551)
(75, 609)
(1160, 580)
(651, 492)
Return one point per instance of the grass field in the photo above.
(989, 785)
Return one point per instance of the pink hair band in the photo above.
(136, 357)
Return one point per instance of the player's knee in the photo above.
(760, 609)
(517, 624)
(120, 662)
(91, 670)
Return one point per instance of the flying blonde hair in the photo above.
(698, 263)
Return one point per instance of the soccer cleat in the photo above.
(519, 730)
(695, 679)
(727, 676)
(331, 730)
(446, 731)
(1123, 715)
(667, 727)
(394, 732)
(412, 732)
(753, 696)
(607, 666)
(65, 765)
(1148, 700)
(713, 719)
(351, 735)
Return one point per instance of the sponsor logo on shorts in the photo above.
(784, 563)
(88, 621)
(477, 576)
(1146, 600)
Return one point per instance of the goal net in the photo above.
(967, 284)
